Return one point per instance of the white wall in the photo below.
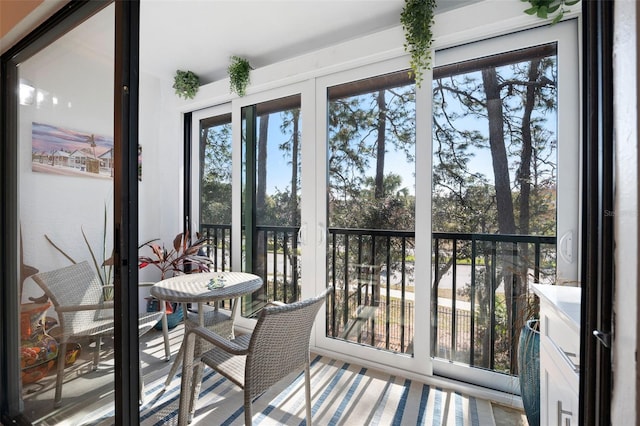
(80, 75)
(161, 189)
(81, 79)
(623, 409)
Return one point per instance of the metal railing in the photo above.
(219, 248)
(371, 273)
(479, 288)
(486, 276)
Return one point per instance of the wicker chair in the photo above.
(278, 346)
(78, 298)
(220, 322)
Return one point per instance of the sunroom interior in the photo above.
(444, 209)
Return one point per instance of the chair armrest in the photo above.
(232, 346)
(79, 308)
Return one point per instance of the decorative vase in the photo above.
(174, 312)
(38, 350)
(529, 370)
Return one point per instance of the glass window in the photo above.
(215, 187)
(272, 137)
(371, 208)
(495, 164)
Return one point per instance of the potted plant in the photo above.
(543, 8)
(416, 19)
(183, 257)
(186, 84)
(239, 70)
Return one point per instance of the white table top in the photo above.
(194, 288)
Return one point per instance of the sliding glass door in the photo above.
(505, 194)
(429, 210)
(369, 168)
(248, 190)
(65, 204)
(67, 134)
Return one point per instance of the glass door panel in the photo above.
(214, 187)
(371, 211)
(65, 206)
(271, 144)
(499, 151)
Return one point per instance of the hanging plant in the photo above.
(543, 8)
(186, 84)
(416, 19)
(238, 70)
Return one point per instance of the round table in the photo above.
(195, 288)
(201, 288)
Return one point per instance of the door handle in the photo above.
(302, 233)
(565, 247)
(321, 230)
(604, 338)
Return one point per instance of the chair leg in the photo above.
(248, 416)
(141, 394)
(165, 331)
(307, 390)
(198, 370)
(96, 353)
(187, 383)
(62, 350)
(175, 365)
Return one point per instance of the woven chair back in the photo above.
(280, 343)
(70, 287)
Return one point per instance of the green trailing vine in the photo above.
(417, 19)
(239, 70)
(186, 84)
(544, 8)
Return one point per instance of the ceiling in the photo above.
(201, 35)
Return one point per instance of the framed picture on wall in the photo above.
(69, 152)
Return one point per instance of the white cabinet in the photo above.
(559, 354)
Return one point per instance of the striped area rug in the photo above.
(342, 394)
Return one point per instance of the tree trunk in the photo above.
(294, 168)
(524, 176)
(379, 194)
(380, 146)
(520, 316)
(259, 266)
(504, 201)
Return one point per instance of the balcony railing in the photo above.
(479, 291)
(484, 279)
(371, 272)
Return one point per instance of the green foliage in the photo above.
(215, 189)
(464, 197)
(183, 257)
(186, 84)
(543, 8)
(416, 19)
(239, 70)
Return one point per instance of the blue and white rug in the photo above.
(342, 394)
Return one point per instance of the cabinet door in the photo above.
(558, 388)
